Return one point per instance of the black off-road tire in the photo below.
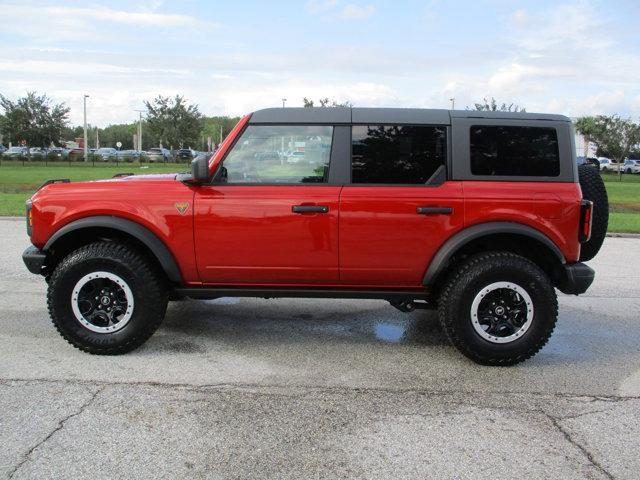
(469, 279)
(593, 189)
(144, 281)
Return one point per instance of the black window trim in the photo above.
(461, 155)
(447, 163)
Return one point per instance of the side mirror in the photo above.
(200, 169)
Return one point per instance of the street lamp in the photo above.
(453, 103)
(85, 128)
(284, 100)
(140, 130)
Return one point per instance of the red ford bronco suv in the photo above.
(479, 215)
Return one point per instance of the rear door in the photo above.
(399, 208)
(274, 219)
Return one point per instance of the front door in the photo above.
(274, 219)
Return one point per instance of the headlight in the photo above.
(29, 217)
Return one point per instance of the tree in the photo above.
(492, 106)
(211, 128)
(33, 118)
(325, 102)
(173, 122)
(614, 135)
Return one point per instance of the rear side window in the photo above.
(514, 151)
(396, 154)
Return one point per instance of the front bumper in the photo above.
(34, 259)
(578, 277)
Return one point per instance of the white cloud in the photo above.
(568, 58)
(320, 6)
(357, 12)
(335, 9)
(574, 24)
(54, 23)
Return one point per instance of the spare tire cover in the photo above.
(593, 189)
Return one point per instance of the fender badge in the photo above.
(182, 207)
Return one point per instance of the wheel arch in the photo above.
(69, 237)
(506, 236)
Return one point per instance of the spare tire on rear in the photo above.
(593, 189)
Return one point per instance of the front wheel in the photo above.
(498, 308)
(106, 298)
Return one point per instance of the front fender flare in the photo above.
(451, 246)
(141, 233)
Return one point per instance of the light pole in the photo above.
(85, 128)
(140, 130)
(453, 103)
(284, 100)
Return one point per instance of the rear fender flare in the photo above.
(451, 246)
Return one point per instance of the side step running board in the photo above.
(212, 293)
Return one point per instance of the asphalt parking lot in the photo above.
(247, 388)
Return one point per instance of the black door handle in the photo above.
(309, 209)
(434, 210)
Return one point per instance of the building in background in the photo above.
(584, 148)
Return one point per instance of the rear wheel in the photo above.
(106, 298)
(498, 308)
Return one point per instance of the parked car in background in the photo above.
(608, 165)
(57, 153)
(75, 154)
(2, 149)
(156, 155)
(268, 155)
(106, 154)
(295, 157)
(129, 155)
(588, 161)
(16, 152)
(631, 166)
(37, 153)
(185, 154)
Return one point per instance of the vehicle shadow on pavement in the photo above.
(286, 321)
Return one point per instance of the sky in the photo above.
(573, 57)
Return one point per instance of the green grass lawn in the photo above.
(620, 222)
(18, 182)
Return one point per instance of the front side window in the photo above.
(514, 151)
(280, 154)
(396, 154)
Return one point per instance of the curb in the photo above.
(623, 235)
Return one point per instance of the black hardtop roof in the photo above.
(345, 115)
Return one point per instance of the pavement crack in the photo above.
(597, 465)
(58, 427)
(257, 387)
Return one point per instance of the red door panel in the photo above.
(383, 239)
(249, 234)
